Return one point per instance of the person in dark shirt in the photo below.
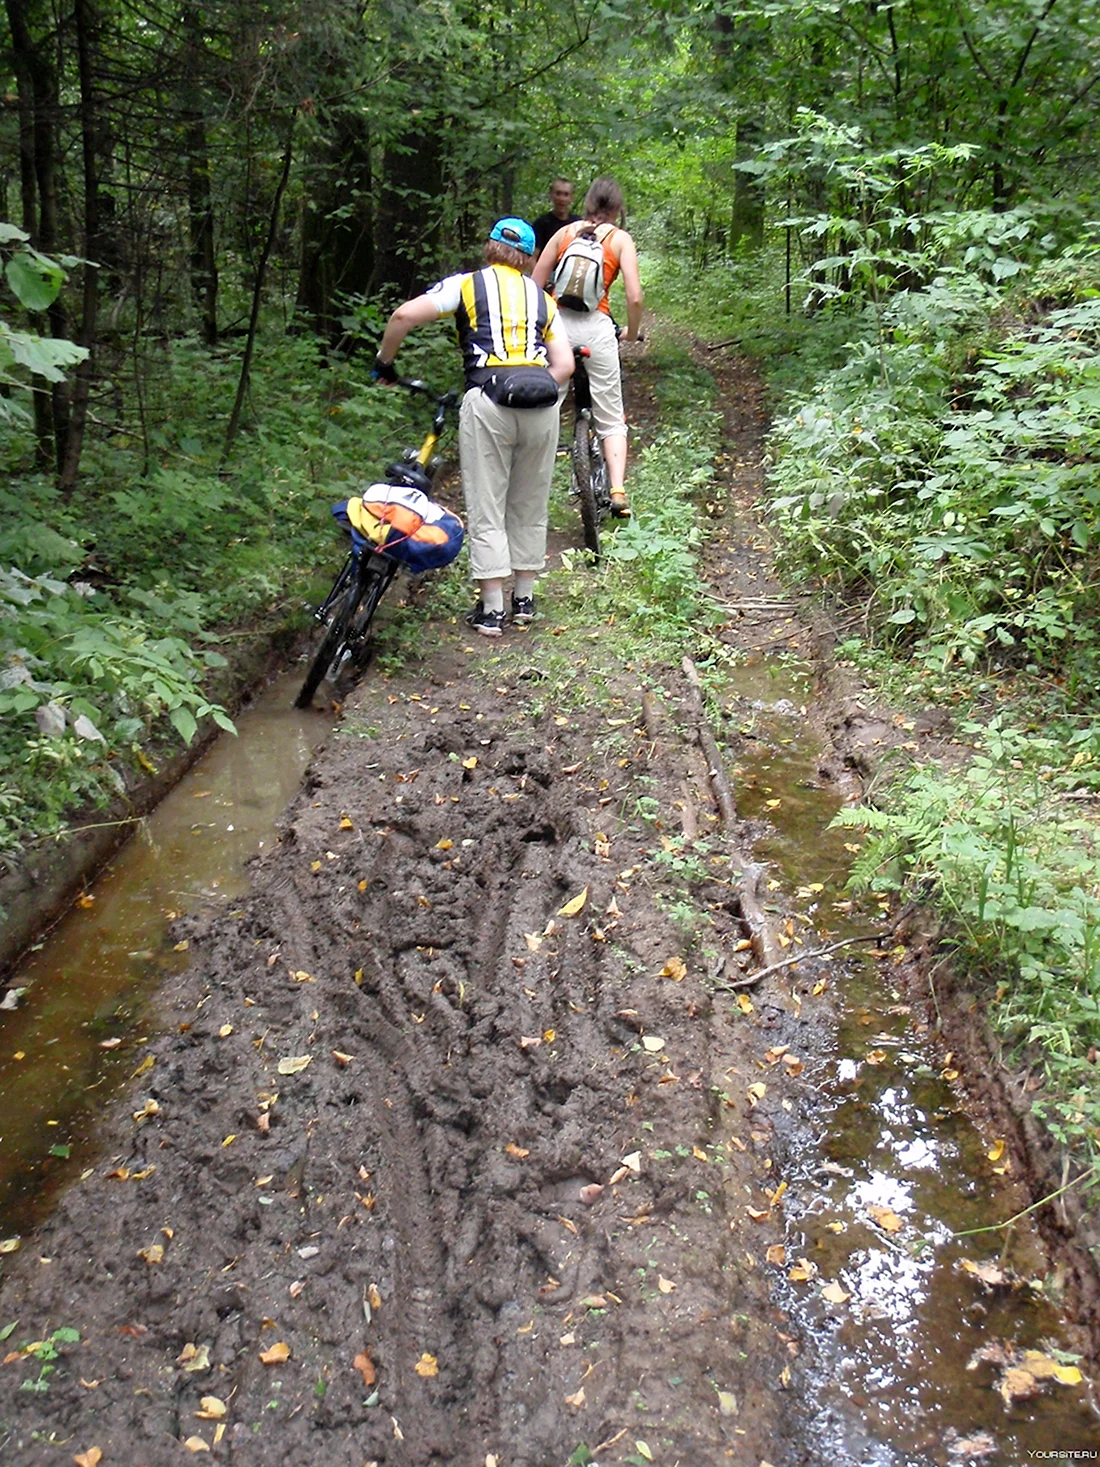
(561, 212)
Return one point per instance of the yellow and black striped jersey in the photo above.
(502, 318)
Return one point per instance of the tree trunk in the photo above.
(406, 234)
(86, 20)
(257, 296)
(36, 80)
(200, 205)
(747, 217)
(337, 227)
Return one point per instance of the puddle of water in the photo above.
(889, 1383)
(88, 982)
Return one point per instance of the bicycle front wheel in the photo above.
(374, 581)
(335, 641)
(583, 488)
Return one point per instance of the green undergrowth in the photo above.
(640, 607)
(119, 606)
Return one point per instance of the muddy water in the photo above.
(77, 1033)
(889, 1368)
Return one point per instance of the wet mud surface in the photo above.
(448, 1146)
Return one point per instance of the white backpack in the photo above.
(577, 282)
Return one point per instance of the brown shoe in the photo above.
(620, 509)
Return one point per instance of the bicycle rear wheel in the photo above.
(582, 485)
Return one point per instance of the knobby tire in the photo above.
(381, 574)
(582, 483)
(356, 609)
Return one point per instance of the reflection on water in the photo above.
(78, 1030)
(897, 1174)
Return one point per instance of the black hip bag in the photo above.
(517, 387)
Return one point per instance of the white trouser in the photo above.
(507, 458)
(596, 330)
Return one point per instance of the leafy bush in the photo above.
(952, 476)
(1007, 850)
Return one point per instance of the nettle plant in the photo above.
(951, 475)
(998, 849)
(81, 686)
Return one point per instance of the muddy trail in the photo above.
(462, 1139)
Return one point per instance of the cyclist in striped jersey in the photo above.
(515, 357)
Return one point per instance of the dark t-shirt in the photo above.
(546, 226)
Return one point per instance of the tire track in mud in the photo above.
(448, 1170)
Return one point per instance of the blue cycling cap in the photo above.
(515, 232)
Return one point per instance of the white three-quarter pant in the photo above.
(507, 458)
(596, 331)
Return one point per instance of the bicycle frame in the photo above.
(348, 609)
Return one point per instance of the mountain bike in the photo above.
(589, 483)
(348, 611)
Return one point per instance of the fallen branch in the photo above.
(765, 944)
(751, 979)
(709, 745)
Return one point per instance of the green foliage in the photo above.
(46, 1352)
(948, 471)
(647, 584)
(1007, 851)
(81, 686)
(35, 280)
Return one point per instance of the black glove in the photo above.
(386, 371)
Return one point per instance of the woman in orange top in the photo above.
(594, 328)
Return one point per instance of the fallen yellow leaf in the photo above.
(294, 1064)
(887, 1220)
(576, 1400)
(213, 1409)
(652, 1043)
(196, 1444)
(427, 1366)
(91, 1458)
(518, 1151)
(835, 1294)
(153, 1254)
(676, 969)
(666, 1286)
(9, 1245)
(574, 905)
(276, 1355)
(744, 1003)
